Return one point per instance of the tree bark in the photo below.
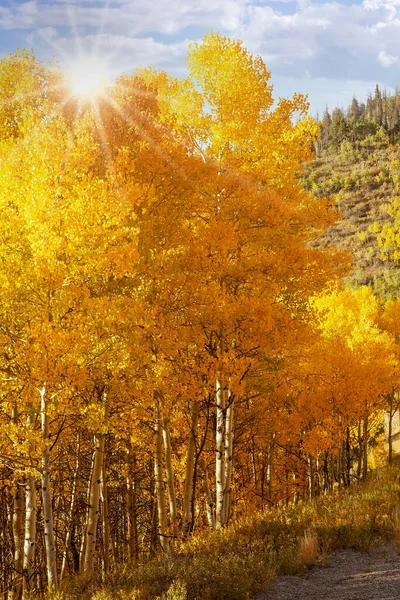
(68, 534)
(228, 460)
(365, 448)
(208, 497)
(311, 476)
(106, 518)
(220, 454)
(170, 475)
(51, 562)
(131, 507)
(94, 502)
(30, 515)
(189, 474)
(159, 483)
(17, 529)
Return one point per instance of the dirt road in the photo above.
(350, 575)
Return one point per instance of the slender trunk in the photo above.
(220, 454)
(208, 497)
(360, 452)
(390, 441)
(365, 448)
(347, 457)
(332, 473)
(170, 475)
(95, 491)
(30, 532)
(94, 502)
(68, 534)
(17, 529)
(228, 460)
(296, 490)
(131, 506)
(82, 548)
(270, 470)
(51, 562)
(311, 476)
(159, 482)
(287, 496)
(106, 518)
(30, 516)
(254, 465)
(189, 475)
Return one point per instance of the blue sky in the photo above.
(330, 50)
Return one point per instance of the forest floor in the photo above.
(345, 575)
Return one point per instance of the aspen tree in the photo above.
(159, 481)
(189, 473)
(30, 514)
(94, 493)
(50, 544)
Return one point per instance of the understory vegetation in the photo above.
(238, 562)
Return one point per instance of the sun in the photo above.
(88, 77)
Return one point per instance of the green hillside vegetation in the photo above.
(239, 562)
(357, 163)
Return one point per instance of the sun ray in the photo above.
(24, 141)
(103, 138)
(145, 136)
(29, 95)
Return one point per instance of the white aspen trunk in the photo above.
(131, 508)
(94, 503)
(270, 470)
(359, 438)
(94, 493)
(106, 518)
(253, 463)
(82, 548)
(170, 475)
(208, 497)
(51, 562)
(228, 459)
(30, 532)
(220, 454)
(30, 519)
(189, 474)
(365, 448)
(390, 433)
(159, 483)
(17, 529)
(72, 507)
(311, 476)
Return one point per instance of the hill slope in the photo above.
(358, 163)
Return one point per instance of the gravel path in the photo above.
(350, 575)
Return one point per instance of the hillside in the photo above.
(357, 163)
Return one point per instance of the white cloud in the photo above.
(332, 40)
(122, 53)
(46, 34)
(387, 60)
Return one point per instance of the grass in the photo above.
(240, 561)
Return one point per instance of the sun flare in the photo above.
(88, 77)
